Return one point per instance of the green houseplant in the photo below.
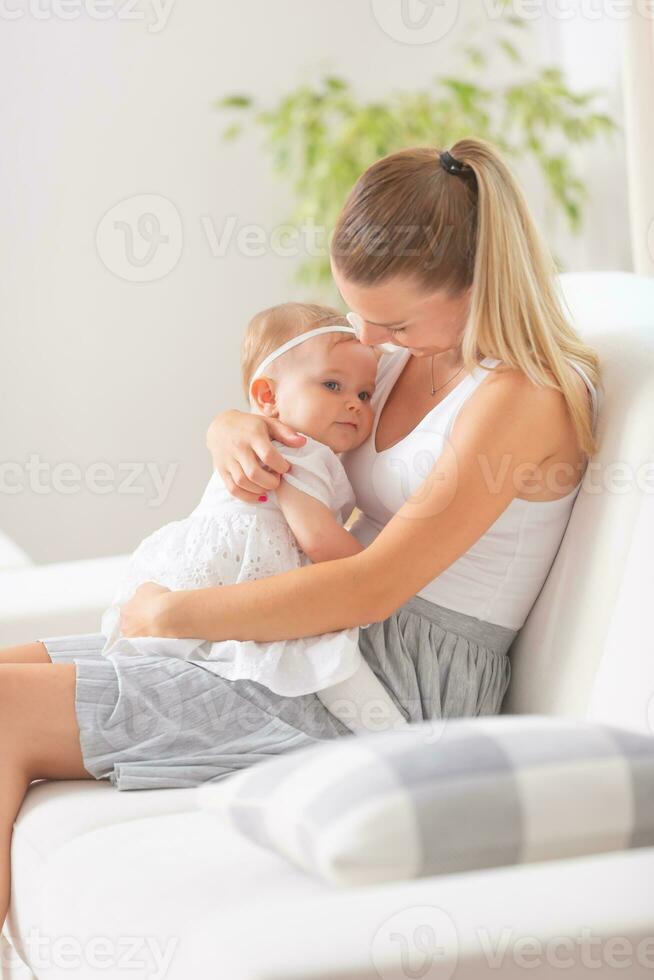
(321, 137)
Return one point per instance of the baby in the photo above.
(302, 364)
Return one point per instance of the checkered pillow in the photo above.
(446, 796)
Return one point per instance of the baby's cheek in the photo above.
(365, 428)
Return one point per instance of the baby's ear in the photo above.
(262, 395)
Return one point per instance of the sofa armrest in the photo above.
(54, 599)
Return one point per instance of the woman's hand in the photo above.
(139, 616)
(243, 454)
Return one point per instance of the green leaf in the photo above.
(510, 50)
(335, 84)
(231, 132)
(515, 21)
(235, 102)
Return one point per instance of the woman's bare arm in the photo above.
(243, 454)
(496, 448)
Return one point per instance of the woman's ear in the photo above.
(262, 396)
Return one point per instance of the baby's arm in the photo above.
(316, 530)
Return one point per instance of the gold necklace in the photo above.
(434, 390)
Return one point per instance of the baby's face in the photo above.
(326, 392)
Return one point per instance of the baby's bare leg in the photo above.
(29, 653)
(362, 703)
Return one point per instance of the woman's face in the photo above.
(401, 313)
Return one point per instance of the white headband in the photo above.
(294, 341)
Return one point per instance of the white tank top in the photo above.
(498, 579)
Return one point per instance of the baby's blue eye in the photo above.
(366, 393)
(330, 383)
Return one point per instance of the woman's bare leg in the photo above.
(14, 784)
(29, 653)
(39, 739)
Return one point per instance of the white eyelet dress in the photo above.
(225, 541)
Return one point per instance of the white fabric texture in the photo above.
(500, 576)
(225, 541)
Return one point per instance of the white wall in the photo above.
(95, 367)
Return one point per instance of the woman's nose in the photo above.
(370, 336)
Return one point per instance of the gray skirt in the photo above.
(157, 722)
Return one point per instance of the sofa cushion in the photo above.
(56, 813)
(446, 796)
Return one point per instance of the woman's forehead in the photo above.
(390, 303)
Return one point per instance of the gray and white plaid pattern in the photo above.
(448, 796)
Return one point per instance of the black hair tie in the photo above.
(454, 166)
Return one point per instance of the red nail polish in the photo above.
(263, 498)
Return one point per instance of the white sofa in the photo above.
(144, 884)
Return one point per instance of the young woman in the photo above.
(437, 253)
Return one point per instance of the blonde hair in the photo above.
(407, 216)
(270, 328)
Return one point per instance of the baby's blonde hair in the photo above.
(270, 328)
